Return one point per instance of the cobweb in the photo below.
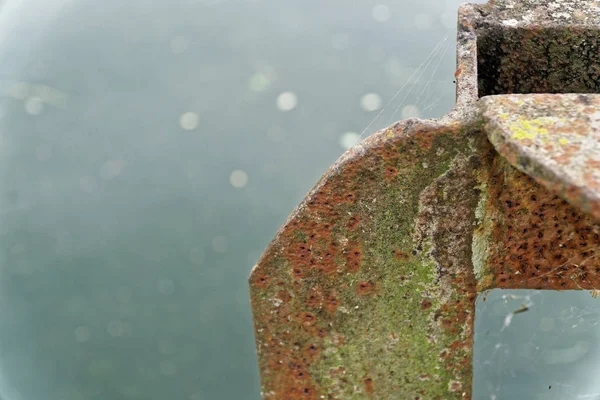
(537, 345)
(414, 97)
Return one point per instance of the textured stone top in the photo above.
(554, 138)
(515, 13)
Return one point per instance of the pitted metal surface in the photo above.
(368, 289)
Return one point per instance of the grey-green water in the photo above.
(149, 151)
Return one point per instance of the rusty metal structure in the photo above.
(368, 290)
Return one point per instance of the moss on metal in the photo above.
(366, 292)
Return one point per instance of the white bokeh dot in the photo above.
(238, 178)
(34, 105)
(188, 121)
(220, 244)
(380, 13)
(410, 111)
(349, 139)
(370, 102)
(287, 101)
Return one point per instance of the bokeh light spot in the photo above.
(238, 178)
(370, 102)
(349, 139)
(287, 101)
(188, 121)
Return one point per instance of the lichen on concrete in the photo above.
(554, 138)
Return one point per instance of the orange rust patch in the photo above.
(308, 319)
(353, 257)
(322, 332)
(426, 305)
(369, 386)
(298, 273)
(390, 172)
(314, 298)
(365, 287)
(353, 223)
(540, 241)
(331, 304)
(457, 72)
(401, 255)
(261, 281)
(311, 352)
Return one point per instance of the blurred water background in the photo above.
(150, 150)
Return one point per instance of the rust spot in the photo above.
(369, 386)
(353, 256)
(365, 287)
(314, 299)
(261, 281)
(331, 304)
(426, 304)
(543, 242)
(458, 72)
(401, 255)
(390, 172)
(311, 351)
(298, 273)
(353, 222)
(308, 319)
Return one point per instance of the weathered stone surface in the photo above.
(555, 138)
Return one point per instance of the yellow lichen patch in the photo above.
(563, 141)
(523, 128)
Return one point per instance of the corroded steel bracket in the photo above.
(368, 290)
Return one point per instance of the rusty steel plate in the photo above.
(368, 290)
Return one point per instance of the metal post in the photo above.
(368, 290)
